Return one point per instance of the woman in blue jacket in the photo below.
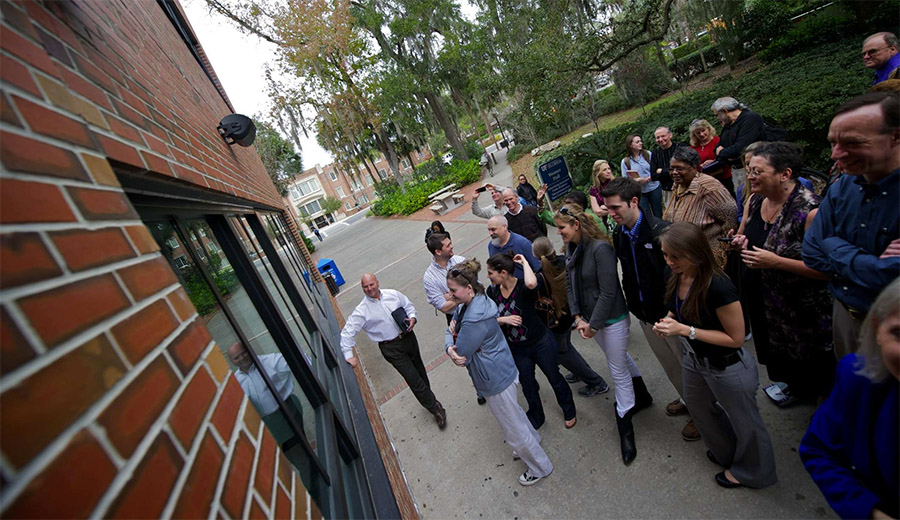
(474, 340)
(850, 449)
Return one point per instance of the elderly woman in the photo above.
(705, 141)
(719, 377)
(474, 340)
(850, 449)
(636, 165)
(795, 297)
(701, 200)
(598, 306)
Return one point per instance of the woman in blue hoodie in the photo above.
(474, 340)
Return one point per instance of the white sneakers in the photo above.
(527, 479)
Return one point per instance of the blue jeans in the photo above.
(652, 202)
(543, 354)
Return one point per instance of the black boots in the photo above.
(642, 397)
(626, 435)
(440, 415)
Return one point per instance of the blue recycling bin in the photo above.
(327, 266)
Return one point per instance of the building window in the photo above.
(311, 208)
(304, 188)
(405, 163)
(363, 198)
(333, 175)
(347, 206)
(172, 243)
(382, 173)
(340, 192)
(180, 262)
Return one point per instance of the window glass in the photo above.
(340, 191)
(288, 398)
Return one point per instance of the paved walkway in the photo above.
(467, 471)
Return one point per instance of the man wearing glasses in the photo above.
(379, 314)
(880, 53)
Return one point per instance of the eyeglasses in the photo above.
(873, 52)
(456, 272)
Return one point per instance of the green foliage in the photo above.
(683, 50)
(199, 293)
(609, 100)
(392, 201)
(309, 243)
(813, 30)
(519, 150)
(428, 169)
(277, 155)
(331, 204)
(640, 79)
(764, 20)
(691, 64)
(800, 92)
(474, 149)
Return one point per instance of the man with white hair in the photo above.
(740, 127)
(503, 240)
(497, 208)
(879, 52)
(523, 219)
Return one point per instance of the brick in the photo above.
(147, 492)
(144, 242)
(301, 500)
(85, 88)
(18, 75)
(100, 170)
(7, 114)
(83, 249)
(14, 348)
(102, 204)
(27, 51)
(314, 513)
(227, 408)
(188, 346)
(282, 505)
(94, 74)
(157, 164)
(24, 154)
(60, 96)
(141, 333)
(197, 493)
(191, 408)
(36, 411)
(252, 420)
(130, 415)
(60, 491)
(147, 278)
(179, 298)
(60, 313)
(24, 201)
(285, 469)
(53, 124)
(156, 144)
(25, 259)
(129, 113)
(122, 128)
(234, 494)
(120, 151)
(265, 468)
(17, 18)
(54, 47)
(256, 512)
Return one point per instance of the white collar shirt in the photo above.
(435, 281)
(255, 387)
(374, 317)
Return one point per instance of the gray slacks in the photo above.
(668, 352)
(723, 406)
(517, 430)
(845, 330)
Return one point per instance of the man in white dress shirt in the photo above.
(435, 279)
(398, 346)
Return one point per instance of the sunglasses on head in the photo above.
(565, 211)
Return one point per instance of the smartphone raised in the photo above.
(481, 189)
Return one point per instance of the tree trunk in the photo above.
(443, 119)
(487, 122)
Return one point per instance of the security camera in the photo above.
(237, 128)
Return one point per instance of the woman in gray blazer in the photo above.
(598, 305)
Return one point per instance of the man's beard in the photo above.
(495, 241)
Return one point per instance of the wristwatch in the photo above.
(693, 334)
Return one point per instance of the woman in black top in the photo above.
(527, 191)
(552, 285)
(718, 375)
(529, 340)
(435, 227)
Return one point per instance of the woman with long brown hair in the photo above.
(598, 306)
(552, 285)
(636, 165)
(718, 375)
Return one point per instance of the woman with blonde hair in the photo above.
(850, 449)
(598, 306)
(719, 377)
(553, 288)
(636, 165)
(601, 174)
(705, 141)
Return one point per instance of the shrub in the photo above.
(309, 243)
(609, 100)
(392, 201)
(800, 92)
(518, 151)
(683, 50)
(690, 65)
(814, 30)
(473, 149)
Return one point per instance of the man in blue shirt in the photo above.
(855, 237)
(503, 240)
(880, 53)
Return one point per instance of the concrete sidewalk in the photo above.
(468, 471)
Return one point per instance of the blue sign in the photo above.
(555, 174)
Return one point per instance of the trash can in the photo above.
(326, 266)
(331, 284)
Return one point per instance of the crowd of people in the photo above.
(706, 266)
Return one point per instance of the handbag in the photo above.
(545, 306)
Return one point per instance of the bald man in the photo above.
(503, 240)
(523, 220)
(378, 314)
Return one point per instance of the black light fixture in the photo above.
(237, 128)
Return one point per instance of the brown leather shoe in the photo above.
(690, 432)
(675, 408)
(440, 415)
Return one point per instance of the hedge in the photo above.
(392, 201)
(800, 92)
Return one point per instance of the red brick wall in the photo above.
(114, 399)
